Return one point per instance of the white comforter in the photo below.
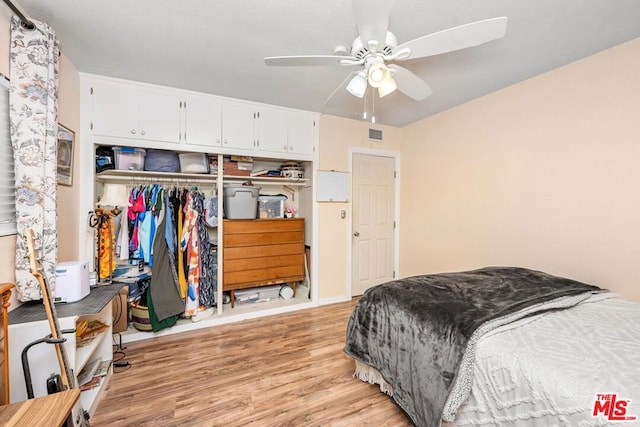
(547, 370)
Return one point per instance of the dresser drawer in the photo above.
(260, 251)
(274, 225)
(262, 239)
(263, 277)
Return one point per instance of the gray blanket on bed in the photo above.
(415, 331)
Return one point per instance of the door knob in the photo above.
(356, 234)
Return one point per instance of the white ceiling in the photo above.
(218, 46)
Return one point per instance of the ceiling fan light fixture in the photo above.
(378, 74)
(388, 86)
(358, 85)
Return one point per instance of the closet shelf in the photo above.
(266, 180)
(128, 176)
(115, 175)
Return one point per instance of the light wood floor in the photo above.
(285, 370)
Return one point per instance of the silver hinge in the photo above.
(91, 126)
(394, 174)
(394, 274)
(394, 225)
(91, 92)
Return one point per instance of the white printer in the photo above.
(72, 281)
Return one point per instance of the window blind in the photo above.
(7, 186)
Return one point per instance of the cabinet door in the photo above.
(114, 110)
(301, 133)
(238, 127)
(159, 116)
(202, 121)
(272, 130)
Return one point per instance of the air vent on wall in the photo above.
(375, 135)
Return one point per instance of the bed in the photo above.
(500, 346)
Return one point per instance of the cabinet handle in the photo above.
(226, 142)
(218, 141)
(285, 147)
(142, 132)
(133, 131)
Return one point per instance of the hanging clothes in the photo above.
(176, 201)
(207, 263)
(166, 299)
(122, 237)
(106, 260)
(137, 214)
(190, 245)
(157, 324)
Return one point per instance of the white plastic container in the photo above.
(194, 163)
(240, 201)
(129, 158)
(72, 281)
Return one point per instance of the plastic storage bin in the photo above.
(253, 295)
(271, 206)
(194, 163)
(129, 158)
(161, 161)
(240, 201)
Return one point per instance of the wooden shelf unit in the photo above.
(262, 252)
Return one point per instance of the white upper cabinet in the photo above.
(124, 111)
(159, 116)
(201, 120)
(301, 133)
(238, 122)
(271, 130)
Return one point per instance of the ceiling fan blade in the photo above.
(456, 38)
(341, 89)
(372, 20)
(307, 60)
(410, 84)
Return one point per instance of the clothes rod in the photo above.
(25, 22)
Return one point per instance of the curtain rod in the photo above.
(25, 22)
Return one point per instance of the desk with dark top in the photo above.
(93, 303)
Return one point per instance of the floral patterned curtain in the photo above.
(33, 114)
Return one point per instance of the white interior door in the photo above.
(373, 240)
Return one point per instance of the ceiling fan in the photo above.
(376, 50)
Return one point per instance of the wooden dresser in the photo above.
(261, 252)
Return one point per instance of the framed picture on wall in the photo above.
(66, 138)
